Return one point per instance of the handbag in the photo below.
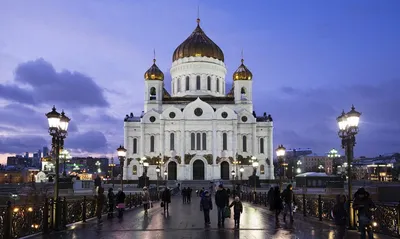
(162, 204)
(227, 212)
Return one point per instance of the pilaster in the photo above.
(214, 141)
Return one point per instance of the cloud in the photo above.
(22, 118)
(37, 82)
(21, 144)
(91, 141)
(307, 117)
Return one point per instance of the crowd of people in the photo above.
(278, 201)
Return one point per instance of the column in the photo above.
(270, 153)
(162, 138)
(214, 142)
(182, 141)
(254, 139)
(141, 146)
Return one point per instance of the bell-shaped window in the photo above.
(153, 92)
(134, 170)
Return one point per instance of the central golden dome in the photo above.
(198, 44)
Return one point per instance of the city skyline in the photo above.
(309, 61)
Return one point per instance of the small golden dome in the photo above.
(242, 73)
(154, 73)
(198, 44)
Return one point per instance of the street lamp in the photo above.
(58, 126)
(348, 129)
(233, 173)
(65, 156)
(333, 154)
(165, 175)
(255, 166)
(98, 164)
(241, 170)
(145, 166)
(320, 168)
(280, 152)
(121, 152)
(158, 170)
(299, 163)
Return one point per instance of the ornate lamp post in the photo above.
(321, 168)
(158, 170)
(233, 173)
(348, 129)
(58, 126)
(112, 165)
(121, 152)
(165, 175)
(280, 152)
(255, 166)
(241, 170)
(298, 170)
(98, 164)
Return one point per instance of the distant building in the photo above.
(45, 151)
(312, 163)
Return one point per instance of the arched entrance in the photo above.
(198, 170)
(224, 170)
(172, 170)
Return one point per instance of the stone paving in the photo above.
(185, 221)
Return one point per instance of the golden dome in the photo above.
(198, 44)
(154, 73)
(242, 73)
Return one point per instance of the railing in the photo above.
(386, 216)
(23, 220)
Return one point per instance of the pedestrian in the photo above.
(270, 197)
(100, 201)
(146, 199)
(166, 199)
(339, 215)
(184, 195)
(222, 202)
(201, 192)
(364, 205)
(289, 200)
(276, 203)
(111, 203)
(228, 191)
(120, 200)
(206, 206)
(237, 210)
(189, 194)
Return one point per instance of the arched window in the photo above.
(243, 94)
(244, 143)
(262, 169)
(193, 141)
(179, 84)
(198, 83)
(172, 141)
(187, 83)
(151, 143)
(261, 145)
(204, 138)
(153, 93)
(198, 141)
(134, 170)
(135, 146)
(224, 141)
(217, 84)
(208, 82)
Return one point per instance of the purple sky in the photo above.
(310, 59)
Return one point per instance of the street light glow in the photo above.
(121, 151)
(241, 169)
(280, 151)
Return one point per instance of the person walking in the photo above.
(184, 195)
(289, 200)
(206, 206)
(339, 215)
(166, 199)
(364, 205)
(189, 195)
(111, 203)
(100, 201)
(146, 199)
(270, 197)
(222, 201)
(120, 200)
(237, 210)
(276, 203)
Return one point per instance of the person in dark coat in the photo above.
(339, 214)
(111, 203)
(237, 210)
(189, 194)
(289, 200)
(364, 206)
(166, 198)
(184, 195)
(100, 201)
(120, 200)
(222, 201)
(276, 203)
(206, 206)
(270, 197)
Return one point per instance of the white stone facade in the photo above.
(198, 132)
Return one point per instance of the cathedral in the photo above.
(199, 130)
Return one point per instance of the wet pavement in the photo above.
(185, 221)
